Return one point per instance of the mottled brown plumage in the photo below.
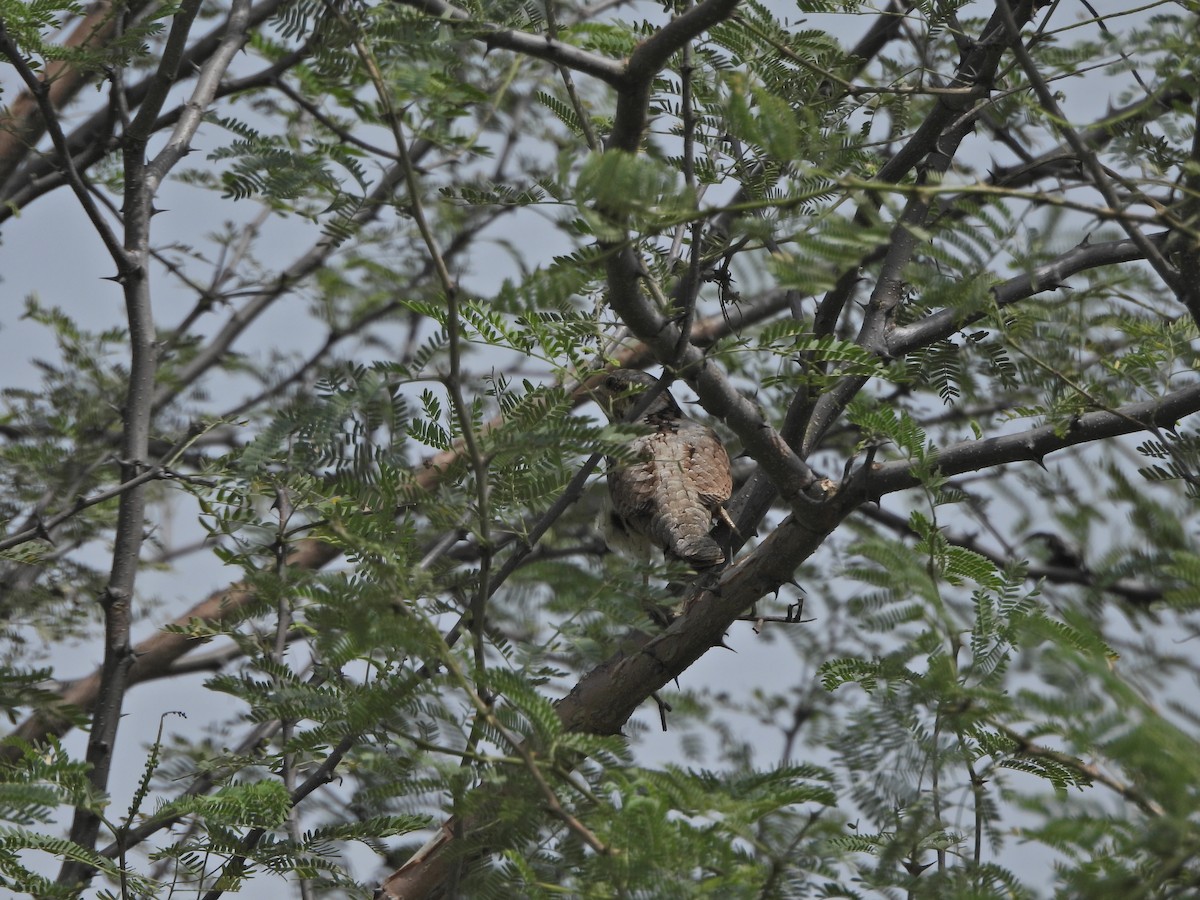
(679, 482)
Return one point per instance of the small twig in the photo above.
(344, 134)
(1090, 771)
(44, 526)
(41, 94)
(453, 379)
(312, 260)
(585, 120)
(759, 621)
(663, 708)
(1189, 294)
(322, 775)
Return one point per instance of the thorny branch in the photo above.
(142, 179)
(605, 695)
(24, 180)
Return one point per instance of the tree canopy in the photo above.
(316, 442)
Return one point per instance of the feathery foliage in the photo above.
(321, 453)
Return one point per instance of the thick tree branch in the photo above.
(1028, 446)
(1049, 276)
(156, 654)
(624, 273)
(653, 54)
(605, 698)
(790, 474)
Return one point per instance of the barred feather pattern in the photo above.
(681, 477)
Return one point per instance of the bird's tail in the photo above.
(686, 537)
(699, 551)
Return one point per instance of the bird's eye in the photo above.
(613, 383)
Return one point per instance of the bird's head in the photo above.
(620, 390)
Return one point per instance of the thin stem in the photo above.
(585, 120)
(1089, 771)
(142, 179)
(1190, 295)
(41, 94)
(689, 288)
(534, 45)
(453, 379)
(321, 776)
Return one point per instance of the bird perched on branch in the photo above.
(679, 478)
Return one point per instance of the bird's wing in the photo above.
(632, 486)
(705, 463)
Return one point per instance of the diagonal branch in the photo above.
(320, 777)
(1048, 276)
(624, 272)
(93, 138)
(1026, 746)
(27, 117)
(42, 95)
(1027, 446)
(534, 45)
(1135, 593)
(154, 656)
(604, 699)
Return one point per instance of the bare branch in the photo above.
(211, 73)
(1131, 592)
(656, 51)
(26, 119)
(41, 94)
(45, 527)
(533, 45)
(1029, 446)
(1049, 276)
